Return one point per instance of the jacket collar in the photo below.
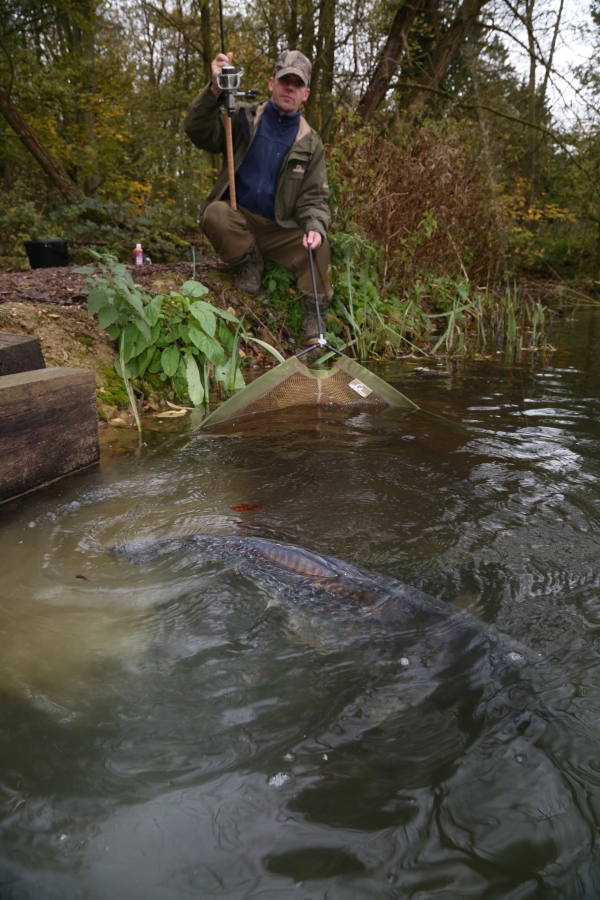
(303, 126)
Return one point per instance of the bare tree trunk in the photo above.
(311, 107)
(390, 57)
(307, 25)
(536, 98)
(444, 54)
(47, 161)
(85, 29)
(326, 86)
(207, 48)
(532, 137)
(292, 26)
(273, 29)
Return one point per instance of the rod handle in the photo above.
(230, 162)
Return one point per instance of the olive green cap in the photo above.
(292, 62)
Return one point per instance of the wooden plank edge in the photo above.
(46, 484)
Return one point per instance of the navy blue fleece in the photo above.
(256, 178)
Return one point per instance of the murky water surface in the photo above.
(187, 727)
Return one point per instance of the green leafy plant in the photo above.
(284, 302)
(184, 340)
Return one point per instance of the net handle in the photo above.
(315, 292)
(321, 342)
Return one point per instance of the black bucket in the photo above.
(45, 254)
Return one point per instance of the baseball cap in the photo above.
(292, 62)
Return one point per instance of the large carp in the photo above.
(333, 603)
(429, 697)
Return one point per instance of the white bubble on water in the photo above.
(404, 661)
(514, 655)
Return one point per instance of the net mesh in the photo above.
(347, 383)
(297, 390)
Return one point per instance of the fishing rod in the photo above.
(321, 341)
(229, 80)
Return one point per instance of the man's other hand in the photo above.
(222, 59)
(312, 239)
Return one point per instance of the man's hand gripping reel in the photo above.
(229, 80)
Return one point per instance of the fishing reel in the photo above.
(229, 80)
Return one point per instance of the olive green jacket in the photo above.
(301, 198)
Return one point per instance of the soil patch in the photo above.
(69, 338)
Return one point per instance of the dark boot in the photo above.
(250, 272)
(310, 326)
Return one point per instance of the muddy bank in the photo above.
(50, 304)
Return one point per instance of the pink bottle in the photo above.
(139, 255)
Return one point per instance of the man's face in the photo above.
(288, 93)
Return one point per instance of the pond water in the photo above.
(187, 728)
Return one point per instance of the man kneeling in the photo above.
(280, 182)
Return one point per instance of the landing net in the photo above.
(347, 383)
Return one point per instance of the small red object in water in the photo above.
(322, 774)
(245, 507)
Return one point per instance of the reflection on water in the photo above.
(187, 727)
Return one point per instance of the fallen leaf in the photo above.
(170, 414)
(245, 507)
(174, 406)
(118, 423)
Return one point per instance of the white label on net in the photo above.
(360, 388)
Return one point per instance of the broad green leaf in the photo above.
(225, 315)
(213, 351)
(226, 336)
(132, 297)
(118, 368)
(155, 365)
(195, 389)
(96, 299)
(153, 310)
(223, 373)
(119, 269)
(132, 368)
(204, 314)
(83, 270)
(113, 332)
(156, 332)
(193, 289)
(107, 316)
(144, 360)
(144, 328)
(170, 360)
(184, 334)
(130, 335)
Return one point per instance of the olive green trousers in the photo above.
(232, 234)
